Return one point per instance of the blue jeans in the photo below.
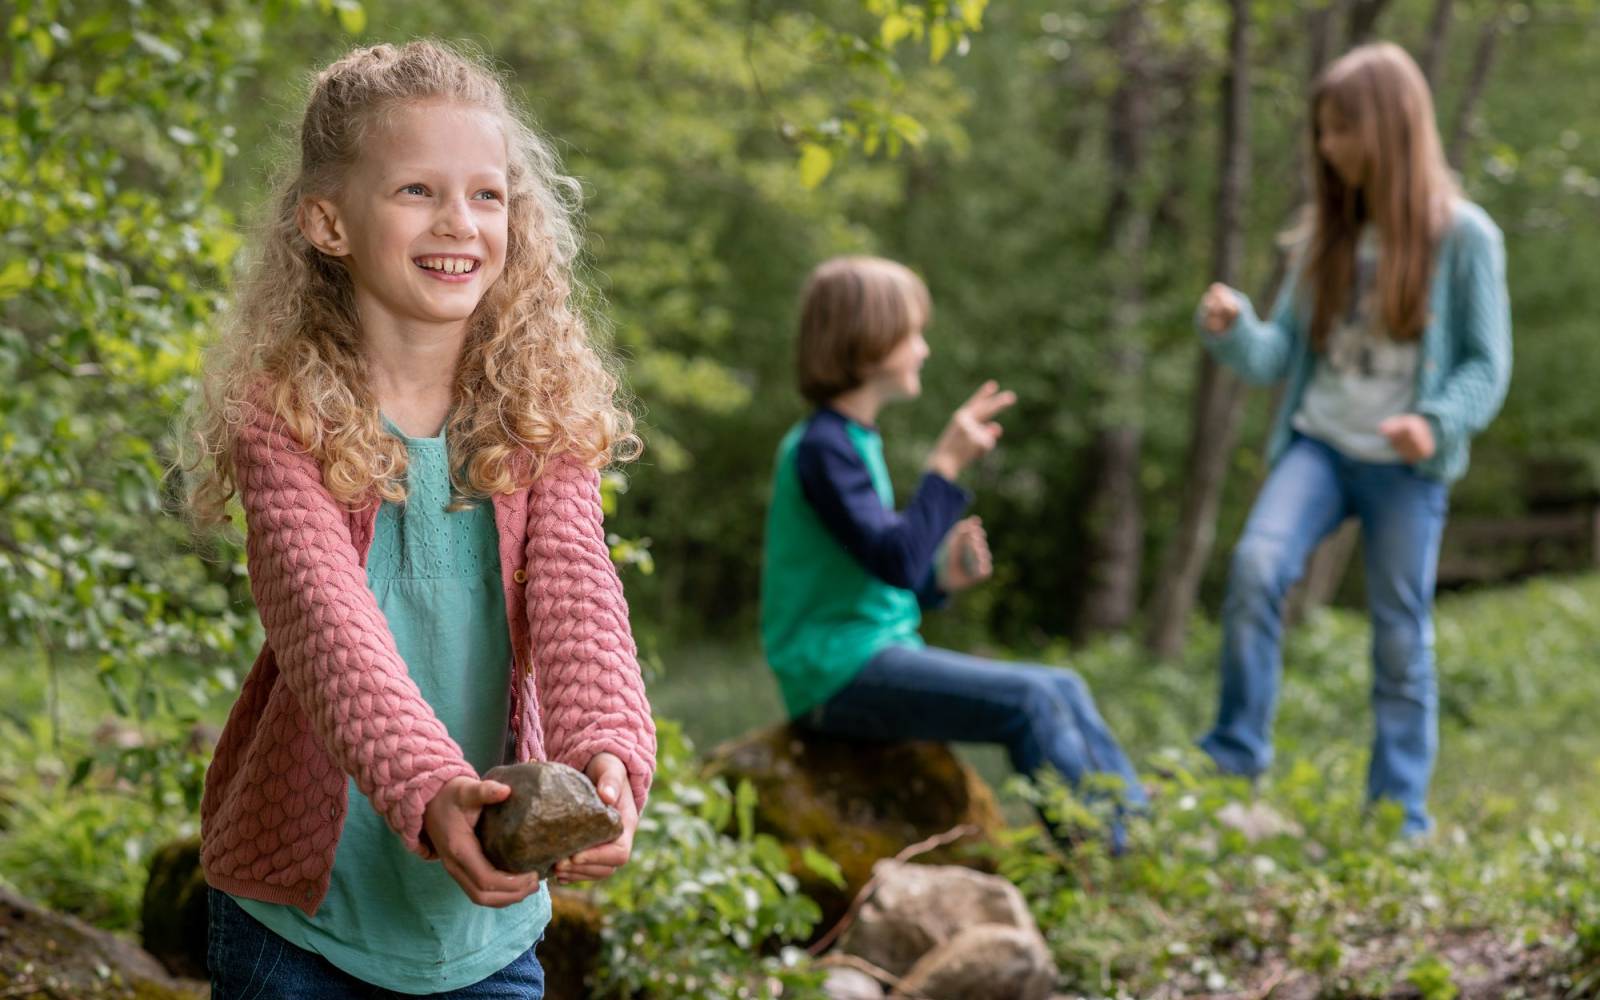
(249, 962)
(1311, 490)
(1041, 715)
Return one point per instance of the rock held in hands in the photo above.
(553, 812)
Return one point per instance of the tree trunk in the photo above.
(1482, 62)
(1363, 21)
(1438, 36)
(1113, 511)
(1219, 396)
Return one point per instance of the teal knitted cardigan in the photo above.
(1465, 364)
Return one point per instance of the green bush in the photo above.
(696, 908)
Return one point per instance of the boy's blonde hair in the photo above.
(528, 382)
(853, 312)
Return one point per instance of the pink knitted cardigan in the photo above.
(329, 695)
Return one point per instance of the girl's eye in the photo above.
(414, 189)
(494, 195)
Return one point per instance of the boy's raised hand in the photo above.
(967, 561)
(450, 820)
(1219, 307)
(972, 431)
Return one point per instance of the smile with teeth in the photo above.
(449, 265)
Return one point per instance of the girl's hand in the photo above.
(610, 778)
(1219, 307)
(1410, 435)
(966, 557)
(972, 431)
(450, 820)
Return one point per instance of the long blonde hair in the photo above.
(529, 383)
(1382, 93)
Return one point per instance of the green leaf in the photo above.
(353, 18)
(43, 42)
(895, 27)
(745, 805)
(80, 772)
(822, 865)
(14, 277)
(939, 41)
(815, 162)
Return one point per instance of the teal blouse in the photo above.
(391, 918)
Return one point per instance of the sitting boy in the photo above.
(846, 575)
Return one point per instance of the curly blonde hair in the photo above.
(529, 383)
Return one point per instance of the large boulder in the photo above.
(913, 909)
(984, 962)
(48, 954)
(857, 803)
(172, 918)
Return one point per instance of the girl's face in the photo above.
(1341, 144)
(421, 220)
(899, 375)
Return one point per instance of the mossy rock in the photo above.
(173, 914)
(857, 802)
(571, 944)
(49, 955)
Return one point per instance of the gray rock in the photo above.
(553, 813)
(1257, 821)
(916, 907)
(851, 984)
(984, 962)
(47, 954)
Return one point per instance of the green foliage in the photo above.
(114, 129)
(702, 895)
(1200, 906)
(1433, 978)
(88, 793)
(877, 122)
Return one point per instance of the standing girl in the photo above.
(412, 413)
(1394, 339)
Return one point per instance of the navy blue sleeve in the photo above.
(896, 547)
(930, 597)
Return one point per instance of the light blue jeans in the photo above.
(1311, 490)
(1041, 715)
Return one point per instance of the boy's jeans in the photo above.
(249, 962)
(1310, 492)
(1040, 714)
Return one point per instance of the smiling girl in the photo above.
(1395, 344)
(412, 414)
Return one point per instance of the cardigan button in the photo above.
(520, 576)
